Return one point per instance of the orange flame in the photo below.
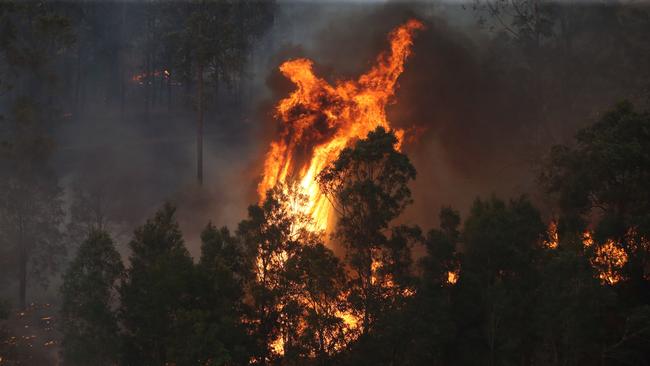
(321, 119)
(553, 238)
(609, 258)
(452, 277)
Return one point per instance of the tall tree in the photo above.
(30, 197)
(157, 291)
(600, 181)
(368, 186)
(88, 313)
(214, 331)
(599, 184)
(502, 243)
(572, 309)
(316, 326)
(295, 282)
(269, 236)
(431, 326)
(212, 42)
(32, 36)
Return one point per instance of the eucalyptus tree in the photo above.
(210, 40)
(368, 187)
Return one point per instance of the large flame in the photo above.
(320, 120)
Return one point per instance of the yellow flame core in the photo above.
(452, 277)
(610, 259)
(321, 119)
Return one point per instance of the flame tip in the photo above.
(321, 119)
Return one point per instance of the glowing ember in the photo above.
(553, 239)
(320, 120)
(452, 277)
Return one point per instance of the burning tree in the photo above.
(296, 282)
(600, 182)
(322, 119)
(367, 186)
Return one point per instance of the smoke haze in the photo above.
(464, 98)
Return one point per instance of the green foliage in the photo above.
(515, 302)
(219, 249)
(214, 331)
(214, 34)
(514, 299)
(157, 291)
(368, 187)
(442, 250)
(602, 179)
(317, 279)
(296, 282)
(90, 329)
(176, 312)
(502, 244)
(368, 183)
(500, 240)
(571, 310)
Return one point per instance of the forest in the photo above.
(434, 183)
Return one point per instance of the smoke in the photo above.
(476, 122)
(445, 98)
(481, 108)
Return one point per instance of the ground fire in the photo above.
(320, 119)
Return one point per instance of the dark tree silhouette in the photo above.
(90, 328)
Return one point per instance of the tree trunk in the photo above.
(77, 84)
(122, 59)
(367, 292)
(199, 127)
(169, 92)
(147, 96)
(22, 271)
